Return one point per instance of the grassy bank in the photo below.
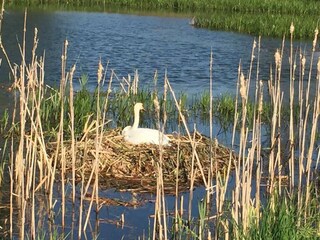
(266, 18)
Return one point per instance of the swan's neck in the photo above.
(136, 119)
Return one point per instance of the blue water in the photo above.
(143, 43)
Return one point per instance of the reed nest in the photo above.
(136, 167)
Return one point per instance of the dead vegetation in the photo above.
(134, 167)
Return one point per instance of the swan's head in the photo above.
(138, 106)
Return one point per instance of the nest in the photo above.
(136, 167)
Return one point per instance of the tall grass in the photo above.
(297, 7)
(274, 193)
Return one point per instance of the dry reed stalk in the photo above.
(105, 107)
(95, 166)
(11, 192)
(63, 83)
(314, 130)
(210, 179)
(257, 129)
(19, 159)
(235, 192)
(176, 213)
(19, 166)
(99, 134)
(291, 123)
(160, 220)
(302, 125)
(161, 153)
(275, 97)
(258, 151)
(314, 44)
(73, 141)
(188, 132)
(82, 194)
(192, 175)
(240, 179)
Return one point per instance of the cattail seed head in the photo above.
(261, 97)
(314, 43)
(243, 87)
(100, 70)
(291, 28)
(156, 104)
(277, 58)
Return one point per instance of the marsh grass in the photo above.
(263, 24)
(279, 220)
(120, 111)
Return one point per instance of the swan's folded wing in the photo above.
(145, 135)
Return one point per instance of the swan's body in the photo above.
(135, 135)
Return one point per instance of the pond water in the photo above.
(130, 43)
(143, 43)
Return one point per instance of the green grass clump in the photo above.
(281, 218)
(265, 24)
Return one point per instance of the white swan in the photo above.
(135, 135)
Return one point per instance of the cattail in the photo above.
(303, 64)
(243, 87)
(100, 70)
(314, 43)
(277, 58)
(156, 104)
(291, 28)
(261, 97)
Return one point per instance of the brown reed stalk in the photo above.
(73, 141)
(82, 190)
(161, 153)
(176, 212)
(61, 131)
(257, 129)
(21, 86)
(291, 123)
(19, 159)
(274, 122)
(98, 136)
(301, 126)
(192, 174)
(160, 220)
(212, 154)
(314, 130)
(242, 151)
(236, 191)
(314, 44)
(188, 132)
(95, 166)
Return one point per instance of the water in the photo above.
(129, 43)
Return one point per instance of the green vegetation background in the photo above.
(258, 17)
